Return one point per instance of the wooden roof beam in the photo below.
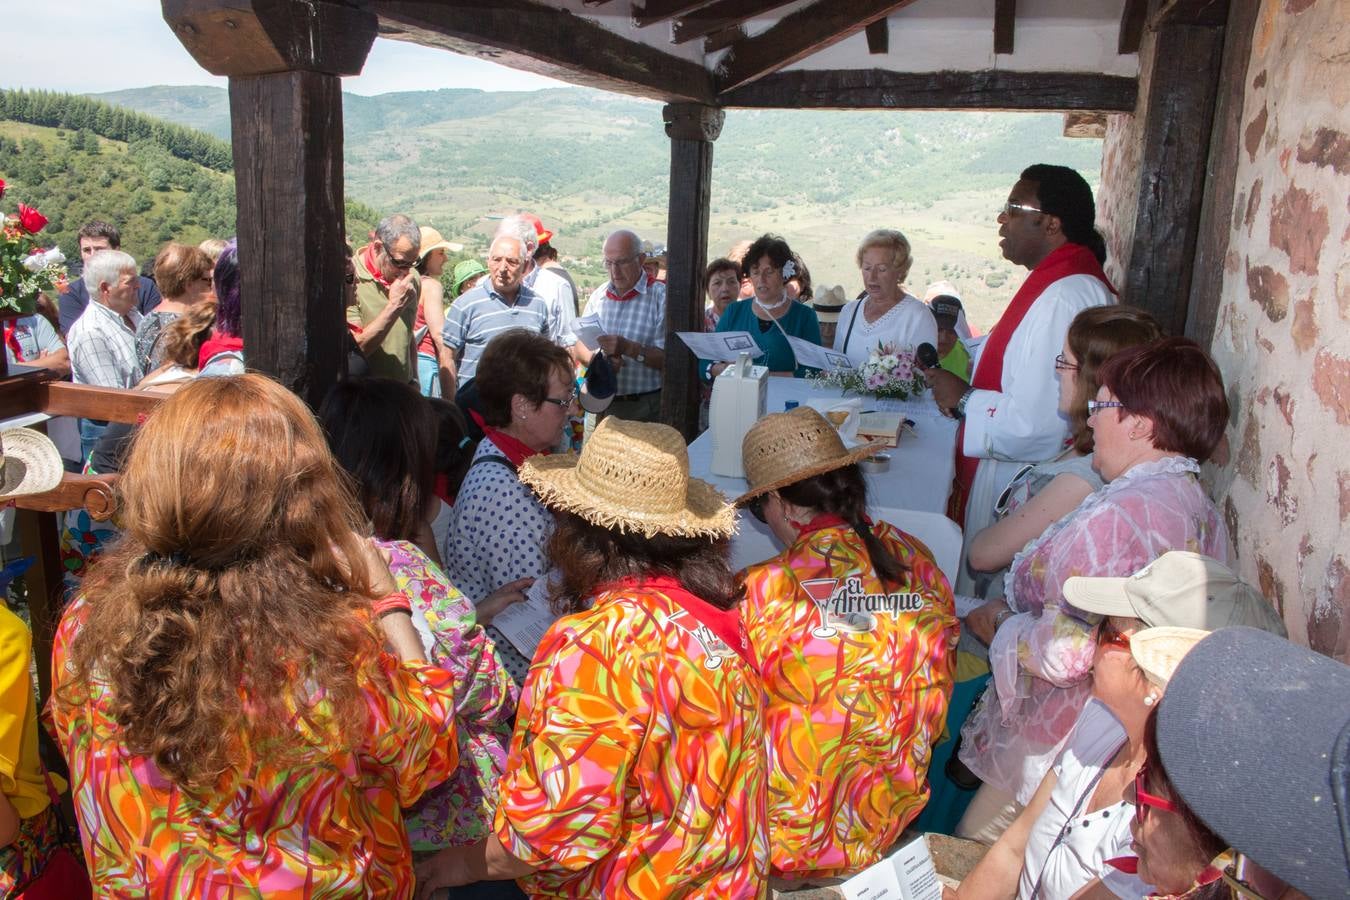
(721, 16)
(1005, 21)
(879, 37)
(798, 35)
(545, 40)
(653, 12)
(1132, 19)
(983, 90)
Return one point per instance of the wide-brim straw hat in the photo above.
(784, 448)
(632, 477)
(432, 240)
(29, 463)
(1158, 651)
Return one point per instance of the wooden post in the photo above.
(692, 128)
(1178, 115)
(284, 59)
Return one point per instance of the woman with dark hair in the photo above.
(223, 353)
(769, 316)
(637, 765)
(855, 631)
(1042, 494)
(383, 434)
(1159, 413)
(221, 689)
(498, 528)
(721, 282)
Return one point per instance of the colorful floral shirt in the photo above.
(460, 810)
(858, 678)
(1041, 657)
(332, 828)
(637, 766)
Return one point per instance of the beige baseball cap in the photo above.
(1180, 589)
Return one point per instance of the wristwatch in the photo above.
(960, 411)
(641, 358)
(1003, 616)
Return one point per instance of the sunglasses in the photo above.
(1001, 504)
(756, 507)
(1009, 207)
(397, 263)
(1110, 636)
(1143, 798)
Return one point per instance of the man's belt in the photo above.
(627, 397)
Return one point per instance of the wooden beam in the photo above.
(692, 129)
(987, 90)
(1177, 117)
(655, 11)
(1215, 227)
(720, 40)
(93, 493)
(879, 37)
(1132, 19)
(1005, 21)
(798, 35)
(1191, 12)
(255, 37)
(547, 40)
(721, 16)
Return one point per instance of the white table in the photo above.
(922, 465)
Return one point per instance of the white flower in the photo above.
(44, 258)
(888, 362)
(789, 269)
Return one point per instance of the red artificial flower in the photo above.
(2, 188)
(30, 219)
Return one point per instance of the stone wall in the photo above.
(1282, 340)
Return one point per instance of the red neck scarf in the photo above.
(218, 343)
(629, 294)
(1063, 261)
(513, 449)
(12, 342)
(821, 522)
(372, 267)
(725, 623)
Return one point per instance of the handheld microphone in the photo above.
(926, 356)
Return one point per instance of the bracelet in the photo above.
(960, 410)
(1002, 617)
(392, 602)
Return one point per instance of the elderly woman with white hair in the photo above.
(887, 315)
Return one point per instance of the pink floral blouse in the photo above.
(1042, 656)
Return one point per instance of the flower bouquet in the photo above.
(26, 267)
(888, 372)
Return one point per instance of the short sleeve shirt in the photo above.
(34, 336)
(637, 765)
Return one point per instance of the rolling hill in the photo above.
(588, 161)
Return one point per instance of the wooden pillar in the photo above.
(1178, 116)
(692, 128)
(284, 59)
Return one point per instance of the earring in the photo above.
(1150, 699)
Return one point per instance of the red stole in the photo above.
(725, 623)
(1063, 261)
(512, 448)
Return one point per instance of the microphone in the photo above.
(926, 356)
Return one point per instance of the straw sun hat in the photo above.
(633, 477)
(785, 448)
(29, 463)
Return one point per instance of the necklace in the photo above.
(770, 307)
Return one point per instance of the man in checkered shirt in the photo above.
(632, 312)
(102, 342)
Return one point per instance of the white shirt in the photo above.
(907, 324)
(557, 294)
(103, 348)
(1085, 840)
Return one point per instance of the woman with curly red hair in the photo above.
(231, 722)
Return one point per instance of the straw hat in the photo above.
(29, 463)
(633, 477)
(1158, 651)
(785, 448)
(829, 302)
(432, 240)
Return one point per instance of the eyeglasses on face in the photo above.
(1110, 635)
(1062, 364)
(1143, 798)
(1096, 405)
(621, 262)
(397, 263)
(756, 507)
(1010, 207)
(563, 402)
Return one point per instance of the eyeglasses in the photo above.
(621, 261)
(1143, 798)
(1010, 206)
(1095, 405)
(562, 402)
(756, 507)
(1062, 364)
(1110, 635)
(397, 263)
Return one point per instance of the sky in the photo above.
(65, 46)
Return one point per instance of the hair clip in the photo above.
(465, 440)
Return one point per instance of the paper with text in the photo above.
(524, 623)
(588, 330)
(907, 874)
(720, 346)
(814, 356)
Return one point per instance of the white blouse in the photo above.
(907, 324)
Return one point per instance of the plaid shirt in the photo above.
(640, 316)
(103, 348)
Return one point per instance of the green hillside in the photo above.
(587, 161)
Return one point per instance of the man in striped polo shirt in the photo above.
(498, 303)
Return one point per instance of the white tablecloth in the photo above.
(922, 465)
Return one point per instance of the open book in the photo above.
(907, 874)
